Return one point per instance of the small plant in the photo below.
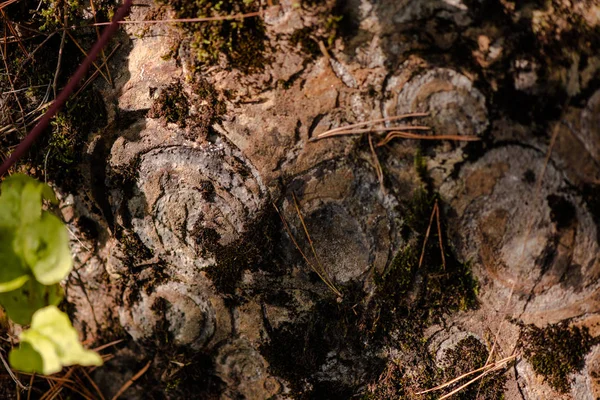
(35, 254)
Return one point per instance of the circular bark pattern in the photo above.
(187, 199)
(171, 311)
(244, 371)
(456, 107)
(351, 223)
(544, 248)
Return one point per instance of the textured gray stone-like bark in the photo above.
(194, 267)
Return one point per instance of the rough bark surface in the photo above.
(194, 267)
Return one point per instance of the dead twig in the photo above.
(7, 3)
(98, 38)
(12, 375)
(435, 212)
(132, 380)
(60, 54)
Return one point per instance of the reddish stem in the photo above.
(66, 92)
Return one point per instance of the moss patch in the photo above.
(332, 21)
(241, 42)
(194, 106)
(468, 355)
(251, 251)
(329, 334)
(556, 351)
(133, 247)
(172, 105)
(400, 382)
(409, 298)
(351, 333)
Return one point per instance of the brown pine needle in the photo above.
(104, 346)
(408, 135)
(486, 370)
(14, 32)
(378, 168)
(96, 73)
(80, 386)
(48, 377)
(374, 121)
(3, 51)
(96, 388)
(433, 211)
(182, 20)
(132, 380)
(56, 388)
(289, 231)
(59, 62)
(7, 3)
(98, 38)
(12, 375)
(358, 131)
(312, 247)
(85, 54)
(439, 228)
(308, 262)
(30, 386)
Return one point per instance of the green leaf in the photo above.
(21, 200)
(10, 207)
(26, 359)
(13, 273)
(44, 245)
(55, 341)
(22, 303)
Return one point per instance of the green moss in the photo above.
(172, 385)
(421, 165)
(304, 38)
(53, 12)
(70, 129)
(241, 42)
(172, 105)
(329, 26)
(409, 297)
(468, 355)
(251, 251)
(298, 350)
(133, 247)
(556, 351)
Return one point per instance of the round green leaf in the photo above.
(55, 340)
(22, 303)
(13, 273)
(21, 199)
(26, 359)
(44, 245)
(10, 208)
